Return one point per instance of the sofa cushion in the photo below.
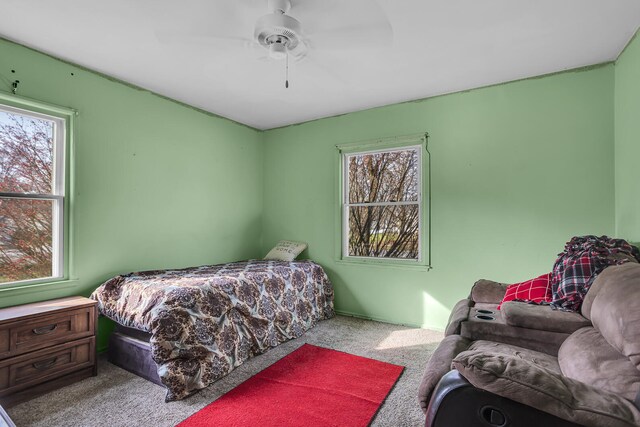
(488, 291)
(542, 317)
(615, 312)
(542, 359)
(439, 364)
(586, 356)
(477, 328)
(596, 286)
(459, 313)
(528, 383)
(536, 290)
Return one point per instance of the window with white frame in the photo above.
(32, 195)
(382, 204)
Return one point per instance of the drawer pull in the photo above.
(44, 330)
(41, 366)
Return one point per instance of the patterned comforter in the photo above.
(205, 321)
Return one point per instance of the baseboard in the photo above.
(392, 322)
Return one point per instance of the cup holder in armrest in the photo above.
(483, 311)
(484, 317)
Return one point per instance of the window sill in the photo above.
(20, 289)
(384, 264)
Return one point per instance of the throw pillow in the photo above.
(286, 250)
(536, 290)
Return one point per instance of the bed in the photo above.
(197, 324)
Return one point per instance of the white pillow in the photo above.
(286, 250)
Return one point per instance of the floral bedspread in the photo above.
(205, 321)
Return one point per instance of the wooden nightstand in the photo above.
(45, 346)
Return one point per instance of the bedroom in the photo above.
(532, 140)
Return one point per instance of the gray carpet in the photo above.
(118, 398)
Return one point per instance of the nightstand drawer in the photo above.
(44, 331)
(37, 367)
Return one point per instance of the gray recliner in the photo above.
(590, 378)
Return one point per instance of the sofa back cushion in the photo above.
(615, 311)
(488, 291)
(596, 286)
(586, 356)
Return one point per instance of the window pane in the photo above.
(26, 228)
(384, 231)
(383, 177)
(26, 154)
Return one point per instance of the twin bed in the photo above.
(187, 328)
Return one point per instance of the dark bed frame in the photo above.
(130, 350)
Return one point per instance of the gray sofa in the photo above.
(535, 327)
(531, 364)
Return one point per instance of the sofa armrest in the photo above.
(551, 392)
(459, 314)
(542, 317)
(455, 402)
(439, 364)
(488, 291)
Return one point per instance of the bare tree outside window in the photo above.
(383, 204)
(26, 214)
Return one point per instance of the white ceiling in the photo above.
(438, 47)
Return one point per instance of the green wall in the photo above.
(627, 141)
(517, 169)
(157, 184)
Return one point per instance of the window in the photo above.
(32, 195)
(383, 210)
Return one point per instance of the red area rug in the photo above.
(312, 386)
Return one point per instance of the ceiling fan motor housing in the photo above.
(278, 28)
(279, 6)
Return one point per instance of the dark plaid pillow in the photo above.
(578, 273)
(583, 258)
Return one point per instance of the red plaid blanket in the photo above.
(583, 259)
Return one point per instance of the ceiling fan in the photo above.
(279, 32)
(292, 29)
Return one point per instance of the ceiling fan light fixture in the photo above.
(277, 51)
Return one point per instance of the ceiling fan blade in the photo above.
(229, 10)
(327, 70)
(179, 37)
(352, 38)
(204, 18)
(343, 24)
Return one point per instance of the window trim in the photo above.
(418, 141)
(61, 190)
